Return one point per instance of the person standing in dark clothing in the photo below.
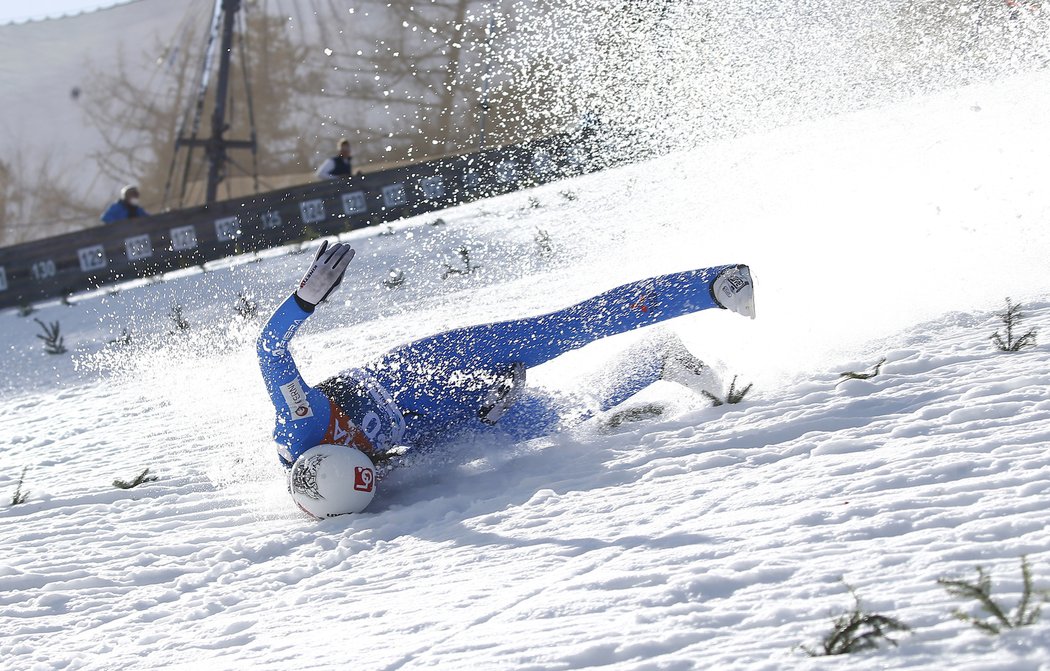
(338, 165)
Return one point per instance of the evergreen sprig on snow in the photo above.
(141, 478)
(635, 414)
(123, 340)
(850, 375)
(246, 306)
(543, 241)
(52, 337)
(732, 397)
(856, 631)
(1025, 614)
(467, 269)
(1011, 319)
(19, 496)
(176, 318)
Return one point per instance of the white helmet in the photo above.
(332, 480)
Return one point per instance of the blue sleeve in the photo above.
(113, 213)
(303, 413)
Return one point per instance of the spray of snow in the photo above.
(711, 536)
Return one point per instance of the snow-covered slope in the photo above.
(711, 537)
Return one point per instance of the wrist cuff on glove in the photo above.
(306, 307)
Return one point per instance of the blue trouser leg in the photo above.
(439, 381)
(634, 368)
(536, 340)
(628, 381)
(537, 414)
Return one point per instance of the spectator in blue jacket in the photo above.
(125, 208)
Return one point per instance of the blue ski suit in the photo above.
(433, 390)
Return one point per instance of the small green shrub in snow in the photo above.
(246, 306)
(543, 242)
(468, 266)
(856, 631)
(1025, 614)
(141, 478)
(850, 375)
(20, 496)
(732, 397)
(1011, 319)
(635, 414)
(123, 340)
(176, 318)
(52, 337)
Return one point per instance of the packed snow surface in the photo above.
(709, 537)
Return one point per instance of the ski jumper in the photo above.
(432, 390)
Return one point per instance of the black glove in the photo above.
(325, 274)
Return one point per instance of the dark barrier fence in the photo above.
(66, 264)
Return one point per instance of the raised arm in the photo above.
(303, 413)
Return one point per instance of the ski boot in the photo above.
(734, 290)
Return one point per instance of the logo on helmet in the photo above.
(364, 479)
(304, 476)
(331, 480)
